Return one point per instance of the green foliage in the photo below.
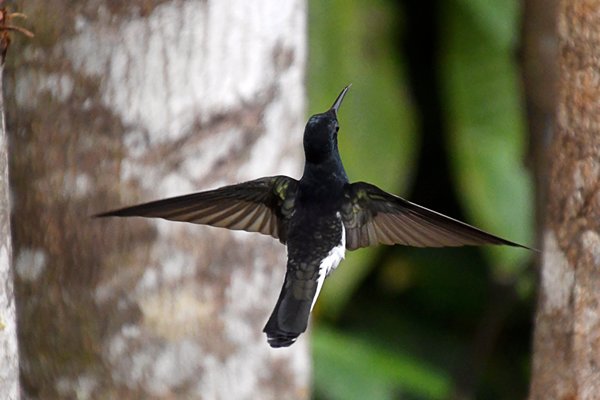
(350, 367)
(486, 122)
(397, 322)
(352, 41)
(498, 20)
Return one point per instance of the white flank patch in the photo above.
(329, 263)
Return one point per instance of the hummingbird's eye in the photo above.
(337, 128)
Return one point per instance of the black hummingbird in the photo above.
(318, 218)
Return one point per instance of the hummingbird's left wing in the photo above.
(372, 216)
(263, 205)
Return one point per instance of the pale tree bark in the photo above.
(567, 324)
(9, 352)
(123, 102)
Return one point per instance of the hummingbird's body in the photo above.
(317, 217)
(316, 244)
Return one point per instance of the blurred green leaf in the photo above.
(497, 19)
(348, 368)
(353, 41)
(486, 123)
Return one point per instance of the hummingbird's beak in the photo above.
(338, 102)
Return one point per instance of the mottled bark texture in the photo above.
(123, 102)
(566, 361)
(9, 354)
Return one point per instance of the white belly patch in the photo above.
(331, 261)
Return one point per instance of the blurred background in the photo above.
(436, 114)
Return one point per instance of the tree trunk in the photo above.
(9, 355)
(123, 102)
(567, 324)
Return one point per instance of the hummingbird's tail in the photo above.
(290, 316)
(303, 281)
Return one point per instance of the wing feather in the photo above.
(263, 205)
(372, 216)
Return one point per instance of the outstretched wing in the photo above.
(263, 205)
(372, 216)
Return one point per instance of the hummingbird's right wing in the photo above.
(263, 205)
(372, 216)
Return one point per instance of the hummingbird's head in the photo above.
(320, 134)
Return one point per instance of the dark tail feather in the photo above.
(289, 318)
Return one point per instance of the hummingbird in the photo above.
(318, 218)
